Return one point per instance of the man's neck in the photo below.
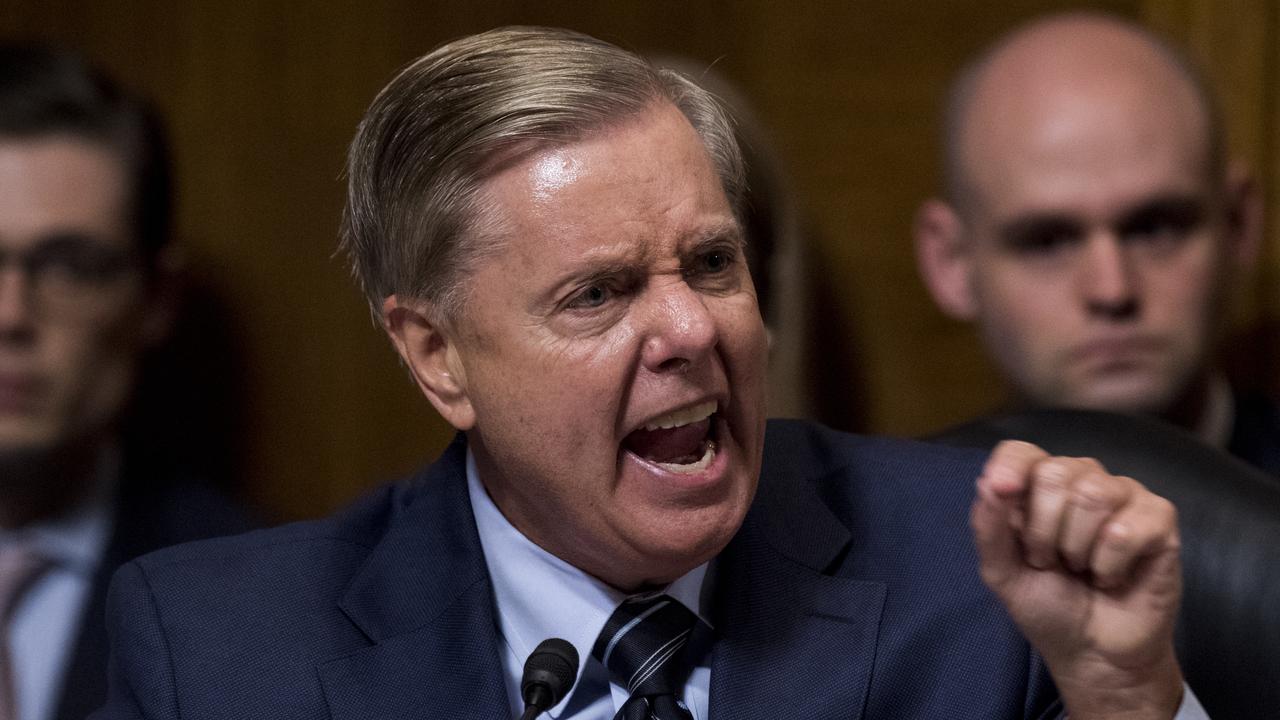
(1188, 412)
(43, 483)
(1215, 415)
(1204, 409)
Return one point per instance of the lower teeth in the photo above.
(701, 464)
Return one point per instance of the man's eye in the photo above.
(1163, 225)
(78, 265)
(717, 261)
(1162, 231)
(713, 263)
(1041, 243)
(592, 296)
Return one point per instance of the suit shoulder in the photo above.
(886, 491)
(356, 528)
(791, 444)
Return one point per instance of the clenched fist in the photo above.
(1087, 564)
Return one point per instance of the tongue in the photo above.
(681, 445)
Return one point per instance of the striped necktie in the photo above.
(19, 567)
(641, 645)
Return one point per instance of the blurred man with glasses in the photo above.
(86, 287)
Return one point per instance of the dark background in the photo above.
(284, 371)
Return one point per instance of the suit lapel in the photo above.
(424, 600)
(793, 641)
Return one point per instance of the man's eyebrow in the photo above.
(727, 230)
(587, 270)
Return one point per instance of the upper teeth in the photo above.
(685, 416)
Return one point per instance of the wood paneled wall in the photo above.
(262, 98)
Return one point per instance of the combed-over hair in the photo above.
(453, 118)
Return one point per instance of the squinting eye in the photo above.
(592, 296)
(717, 261)
(713, 262)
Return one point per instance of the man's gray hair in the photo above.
(413, 225)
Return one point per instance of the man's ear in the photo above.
(1244, 215)
(945, 259)
(431, 353)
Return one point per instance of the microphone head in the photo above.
(549, 673)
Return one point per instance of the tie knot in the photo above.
(20, 564)
(641, 643)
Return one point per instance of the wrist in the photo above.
(1108, 693)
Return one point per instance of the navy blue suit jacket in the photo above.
(155, 508)
(851, 591)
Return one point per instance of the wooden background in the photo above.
(262, 98)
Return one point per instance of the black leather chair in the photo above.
(1229, 517)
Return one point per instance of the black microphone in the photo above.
(548, 675)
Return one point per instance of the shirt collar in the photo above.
(540, 596)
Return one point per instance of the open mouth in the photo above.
(681, 441)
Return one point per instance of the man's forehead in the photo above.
(649, 172)
(60, 183)
(1097, 191)
(1091, 150)
(1081, 96)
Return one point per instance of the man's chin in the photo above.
(39, 452)
(1131, 395)
(665, 564)
(13, 445)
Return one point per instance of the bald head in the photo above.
(1092, 227)
(1091, 83)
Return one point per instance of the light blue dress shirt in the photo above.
(46, 622)
(540, 596)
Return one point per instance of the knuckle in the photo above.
(1091, 464)
(1117, 539)
(1130, 484)
(1095, 490)
(1163, 513)
(1166, 508)
(1021, 449)
(1052, 474)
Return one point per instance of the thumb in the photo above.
(999, 554)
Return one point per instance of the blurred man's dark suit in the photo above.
(154, 509)
(1255, 432)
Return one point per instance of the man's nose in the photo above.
(1108, 278)
(681, 329)
(16, 312)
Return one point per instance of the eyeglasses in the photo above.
(71, 275)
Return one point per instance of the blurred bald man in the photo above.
(1092, 226)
